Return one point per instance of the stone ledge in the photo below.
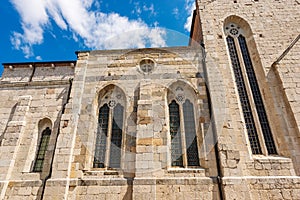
(262, 179)
(97, 172)
(23, 183)
(186, 170)
(4, 84)
(106, 173)
(105, 181)
(173, 181)
(262, 158)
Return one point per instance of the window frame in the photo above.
(253, 106)
(36, 169)
(187, 95)
(111, 95)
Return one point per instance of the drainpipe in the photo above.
(52, 158)
(214, 130)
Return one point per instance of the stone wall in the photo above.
(145, 170)
(273, 26)
(287, 72)
(25, 101)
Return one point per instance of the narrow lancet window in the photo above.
(248, 89)
(116, 137)
(100, 147)
(176, 148)
(262, 115)
(39, 161)
(245, 103)
(190, 134)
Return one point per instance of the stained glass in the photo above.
(100, 146)
(248, 116)
(176, 148)
(190, 134)
(39, 161)
(116, 137)
(257, 97)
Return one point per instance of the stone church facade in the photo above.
(218, 119)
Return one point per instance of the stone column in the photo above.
(63, 168)
(149, 141)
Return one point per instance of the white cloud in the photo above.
(32, 24)
(18, 42)
(98, 30)
(38, 58)
(175, 12)
(189, 7)
(137, 9)
(150, 9)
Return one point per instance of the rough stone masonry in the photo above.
(162, 123)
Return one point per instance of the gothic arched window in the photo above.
(253, 110)
(42, 149)
(182, 123)
(108, 146)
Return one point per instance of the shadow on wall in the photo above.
(12, 112)
(288, 121)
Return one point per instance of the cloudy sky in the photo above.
(50, 30)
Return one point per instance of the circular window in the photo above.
(112, 103)
(233, 30)
(147, 65)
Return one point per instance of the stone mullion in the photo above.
(250, 96)
(123, 143)
(183, 141)
(201, 129)
(108, 139)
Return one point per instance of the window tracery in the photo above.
(248, 89)
(183, 128)
(108, 146)
(146, 65)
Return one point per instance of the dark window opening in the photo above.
(262, 115)
(115, 142)
(190, 134)
(39, 161)
(116, 138)
(176, 148)
(245, 103)
(100, 146)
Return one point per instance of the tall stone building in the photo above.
(218, 119)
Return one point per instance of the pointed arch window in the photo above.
(42, 149)
(184, 144)
(257, 125)
(108, 146)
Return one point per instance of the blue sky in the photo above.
(52, 30)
